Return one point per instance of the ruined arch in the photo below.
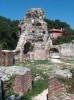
(27, 47)
(54, 52)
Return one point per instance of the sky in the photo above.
(54, 9)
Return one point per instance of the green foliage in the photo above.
(68, 33)
(8, 33)
(8, 87)
(38, 87)
(41, 84)
(57, 24)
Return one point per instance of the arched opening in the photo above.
(53, 50)
(38, 24)
(27, 48)
(54, 53)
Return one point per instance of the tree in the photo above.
(8, 33)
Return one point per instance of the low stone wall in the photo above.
(23, 83)
(17, 78)
(7, 57)
(40, 55)
(67, 51)
(55, 89)
(37, 55)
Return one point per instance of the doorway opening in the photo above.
(27, 48)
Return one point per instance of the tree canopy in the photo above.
(8, 33)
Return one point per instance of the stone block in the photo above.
(8, 57)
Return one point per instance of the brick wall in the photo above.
(23, 83)
(55, 89)
(7, 58)
(40, 55)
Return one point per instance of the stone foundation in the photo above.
(7, 57)
(56, 89)
(37, 55)
(23, 83)
(19, 77)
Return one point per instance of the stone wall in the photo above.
(23, 83)
(55, 89)
(7, 57)
(67, 51)
(19, 77)
(34, 30)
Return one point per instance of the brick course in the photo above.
(55, 89)
(23, 83)
(7, 57)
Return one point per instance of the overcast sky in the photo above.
(54, 9)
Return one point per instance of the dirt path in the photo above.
(42, 96)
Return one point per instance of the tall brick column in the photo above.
(8, 57)
(56, 89)
(0, 55)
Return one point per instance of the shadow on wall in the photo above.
(54, 53)
(27, 47)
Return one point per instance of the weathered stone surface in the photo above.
(22, 81)
(57, 90)
(7, 57)
(63, 73)
(67, 51)
(34, 30)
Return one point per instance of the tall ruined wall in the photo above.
(67, 50)
(33, 29)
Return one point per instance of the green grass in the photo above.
(70, 61)
(39, 85)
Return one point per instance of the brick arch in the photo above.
(57, 48)
(27, 47)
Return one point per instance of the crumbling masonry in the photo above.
(34, 37)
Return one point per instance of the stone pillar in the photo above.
(0, 55)
(8, 56)
(56, 89)
(23, 83)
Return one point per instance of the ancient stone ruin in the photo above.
(21, 78)
(34, 35)
(57, 89)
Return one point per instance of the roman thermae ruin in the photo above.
(34, 38)
(35, 42)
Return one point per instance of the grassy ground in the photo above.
(42, 69)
